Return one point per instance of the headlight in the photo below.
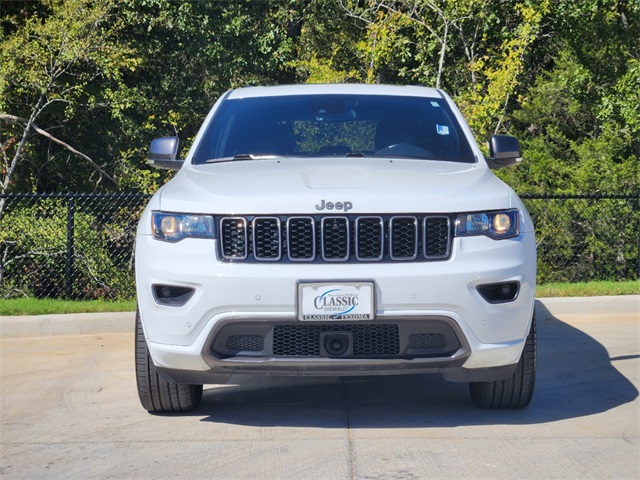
(173, 227)
(496, 225)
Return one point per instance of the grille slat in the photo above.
(301, 239)
(436, 237)
(234, 238)
(369, 238)
(366, 238)
(335, 239)
(403, 238)
(267, 239)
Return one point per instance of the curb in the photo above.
(124, 322)
(67, 324)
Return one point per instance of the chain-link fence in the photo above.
(583, 238)
(68, 245)
(81, 245)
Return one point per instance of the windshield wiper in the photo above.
(241, 158)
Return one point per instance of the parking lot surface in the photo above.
(70, 410)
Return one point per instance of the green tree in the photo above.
(580, 120)
(563, 76)
(325, 49)
(95, 81)
(475, 49)
(52, 56)
(191, 53)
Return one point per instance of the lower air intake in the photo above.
(380, 340)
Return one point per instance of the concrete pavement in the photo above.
(69, 410)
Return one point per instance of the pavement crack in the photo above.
(345, 399)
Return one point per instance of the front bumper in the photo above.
(182, 340)
(395, 345)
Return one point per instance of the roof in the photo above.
(338, 88)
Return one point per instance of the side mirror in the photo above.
(504, 151)
(163, 153)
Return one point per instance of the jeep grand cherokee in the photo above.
(335, 230)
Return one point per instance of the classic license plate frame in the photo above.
(336, 301)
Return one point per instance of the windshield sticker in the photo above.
(442, 129)
(435, 104)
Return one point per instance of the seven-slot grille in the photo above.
(369, 238)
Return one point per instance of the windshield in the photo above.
(334, 125)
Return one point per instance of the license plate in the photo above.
(336, 301)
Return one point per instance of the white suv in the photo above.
(335, 230)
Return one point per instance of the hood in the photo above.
(333, 185)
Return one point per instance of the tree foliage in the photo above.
(55, 61)
(85, 85)
(579, 119)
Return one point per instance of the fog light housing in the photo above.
(503, 292)
(172, 295)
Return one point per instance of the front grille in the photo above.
(348, 238)
(369, 340)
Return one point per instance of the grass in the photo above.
(31, 306)
(588, 289)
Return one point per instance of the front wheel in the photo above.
(515, 391)
(157, 395)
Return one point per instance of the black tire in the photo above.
(515, 391)
(157, 395)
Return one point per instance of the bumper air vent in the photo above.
(369, 340)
